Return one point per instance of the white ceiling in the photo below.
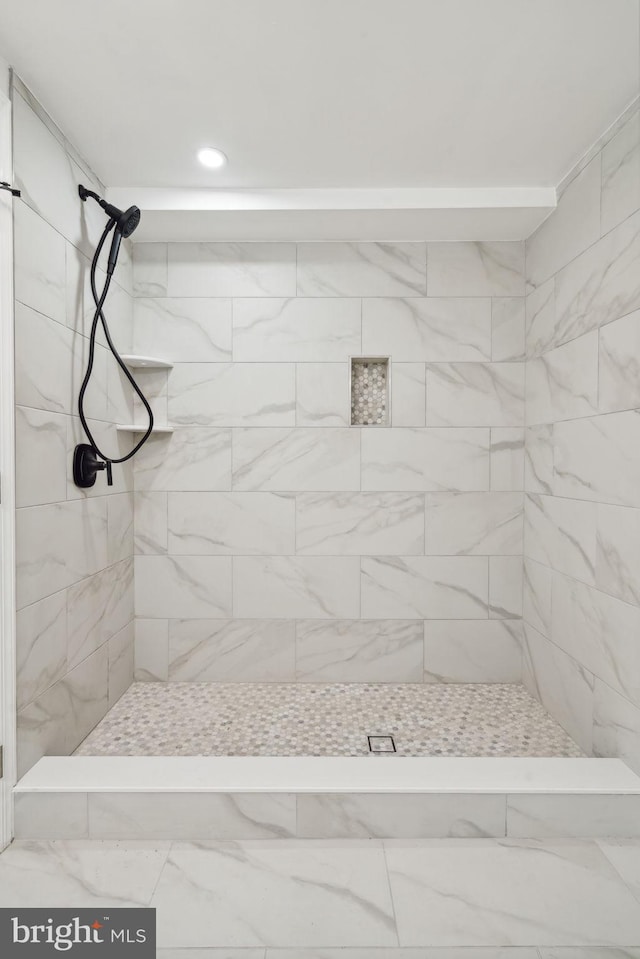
(328, 93)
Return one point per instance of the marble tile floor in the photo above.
(308, 719)
(355, 899)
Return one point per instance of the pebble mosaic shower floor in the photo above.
(270, 719)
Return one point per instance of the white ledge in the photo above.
(371, 774)
(134, 428)
(135, 362)
(416, 213)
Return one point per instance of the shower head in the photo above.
(125, 222)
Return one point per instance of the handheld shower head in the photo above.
(125, 222)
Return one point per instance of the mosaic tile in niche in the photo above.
(369, 391)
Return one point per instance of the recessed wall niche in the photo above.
(369, 383)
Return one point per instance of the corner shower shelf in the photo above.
(134, 428)
(135, 362)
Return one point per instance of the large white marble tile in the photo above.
(619, 367)
(304, 893)
(41, 456)
(538, 459)
(169, 587)
(98, 607)
(296, 459)
(119, 527)
(536, 596)
(475, 269)
(192, 458)
(304, 587)
(580, 816)
(621, 175)
(227, 523)
(433, 329)
(121, 662)
(540, 319)
(40, 271)
(600, 285)
(475, 394)
(563, 383)
(41, 646)
(561, 533)
(508, 328)
(599, 631)
(616, 726)
(232, 651)
(359, 651)
(572, 227)
(474, 523)
(618, 552)
(507, 458)
(509, 892)
(80, 873)
(44, 367)
(322, 394)
(183, 329)
(408, 396)
(472, 651)
(150, 269)
(48, 175)
(58, 545)
(425, 459)
(182, 815)
(58, 720)
(299, 329)
(428, 587)
(505, 587)
(361, 269)
(338, 524)
(231, 269)
(562, 685)
(339, 816)
(598, 458)
(151, 654)
(232, 394)
(625, 858)
(151, 522)
(50, 816)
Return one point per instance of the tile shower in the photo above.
(276, 545)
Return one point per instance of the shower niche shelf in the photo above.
(136, 362)
(369, 390)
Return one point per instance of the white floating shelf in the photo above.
(134, 428)
(136, 362)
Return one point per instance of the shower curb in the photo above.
(377, 797)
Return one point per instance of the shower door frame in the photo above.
(7, 489)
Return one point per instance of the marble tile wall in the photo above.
(74, 550)
(582, 454)
(276, 543)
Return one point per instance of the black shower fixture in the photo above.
(88, 458)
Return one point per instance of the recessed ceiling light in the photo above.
(212, 158)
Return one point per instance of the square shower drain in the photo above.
(381, 744)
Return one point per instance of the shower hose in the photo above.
(99, 316)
